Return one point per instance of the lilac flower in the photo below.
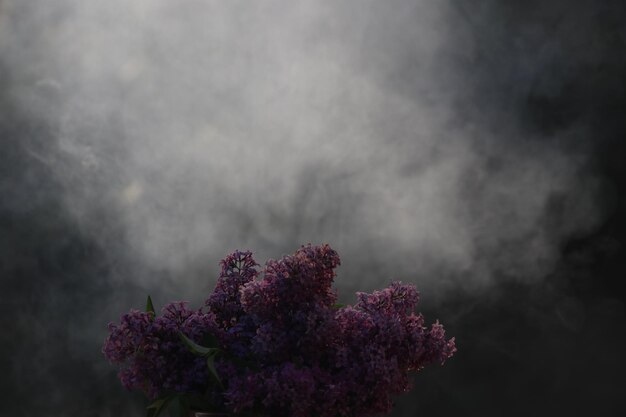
(397, 299)
(297, 282)
(150, 352)
(287, 350)
(237, 270)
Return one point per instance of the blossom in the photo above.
(238, 269)
(287, 350)
(150, 352)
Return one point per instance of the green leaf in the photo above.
(178, 407)
(150, 306)
(337, 306)
(206, 352)
(210, 362)
(159, 405)
(195, 348)
(177, 404)
(198, 402)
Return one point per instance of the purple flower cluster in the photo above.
(155, 359)
(288, 350)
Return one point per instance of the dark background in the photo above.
(533, 75)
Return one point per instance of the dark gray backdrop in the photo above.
(474, 149)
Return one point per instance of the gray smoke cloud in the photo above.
(150, 138)
(209, 125)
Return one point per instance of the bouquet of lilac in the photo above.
(273, 342)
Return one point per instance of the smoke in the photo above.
(148, 139)
(210, 126)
